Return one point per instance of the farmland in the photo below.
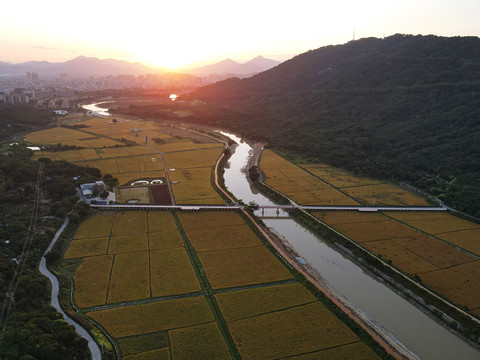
(426, 245)
(121, 149)
(150, 256)
(318, 184)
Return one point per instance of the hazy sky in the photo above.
(181, 33)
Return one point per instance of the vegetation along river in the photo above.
(421, 334)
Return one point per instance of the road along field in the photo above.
(199, 285)
(416, 244)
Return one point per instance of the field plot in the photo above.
(196, 192)
(223, 237)
(434, 223)
(192, 159)
(86, 247)
(190, 174)
(160, 194)
(401, 257)
(337, 177)
(183, 146)
(128, 243)
(129, 223)
(91, 280)
(125, 151)
(242, 304)
(435, 252)
(205, 219)
(152, 162)
(348, 217)
(354, 351)
(243, 266)
(198, 342)
(137, 194)
(157, 354)
(465, 239)
(384, 194)
(165, 240)
(172, 273)
(139, 344)
(154, 317)
(130, 164)
(298, 184)
(54, 136)
(376, 230)
(160, 221)
(296, 332)
(461, 283)
(97, 225)
(130, 277)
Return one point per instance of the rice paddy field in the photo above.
(438, 247)
(319, 184)
(198, 286)
(104, 147)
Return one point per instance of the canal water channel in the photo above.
(417, 331)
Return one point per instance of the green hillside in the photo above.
(403, 107)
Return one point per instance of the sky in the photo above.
(190, 33)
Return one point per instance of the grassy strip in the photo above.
(200, 272)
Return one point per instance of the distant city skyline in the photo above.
(188, 33)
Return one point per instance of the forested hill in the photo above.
(403, 107)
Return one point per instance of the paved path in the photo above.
(92, 345)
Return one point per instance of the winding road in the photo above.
(92, 345)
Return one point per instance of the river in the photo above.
(96, 110)
(421, 334)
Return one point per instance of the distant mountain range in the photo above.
(80, 66)
(91, 66)
(229, 66)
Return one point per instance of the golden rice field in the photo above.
(259, 337)
(336, 177)
(169, 239)
(128, 243)
(160, 221)
(86, 247)
(223, 237)
(196, 192)
(155, 316)
(354, 351)
(193, 174)
(193, 158)
(153, 263)
(243, 304)
(206, 219)
(446, 269)
(91, 280)
(129, 223)
(130, 277)
(140, 344)
(157, 354)
(298, 184)
(202, 341)
(243, 266)
(320, 184)
(172, 273)
(97, 225)
(458, 283)
(434, 223)
(465, 239)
